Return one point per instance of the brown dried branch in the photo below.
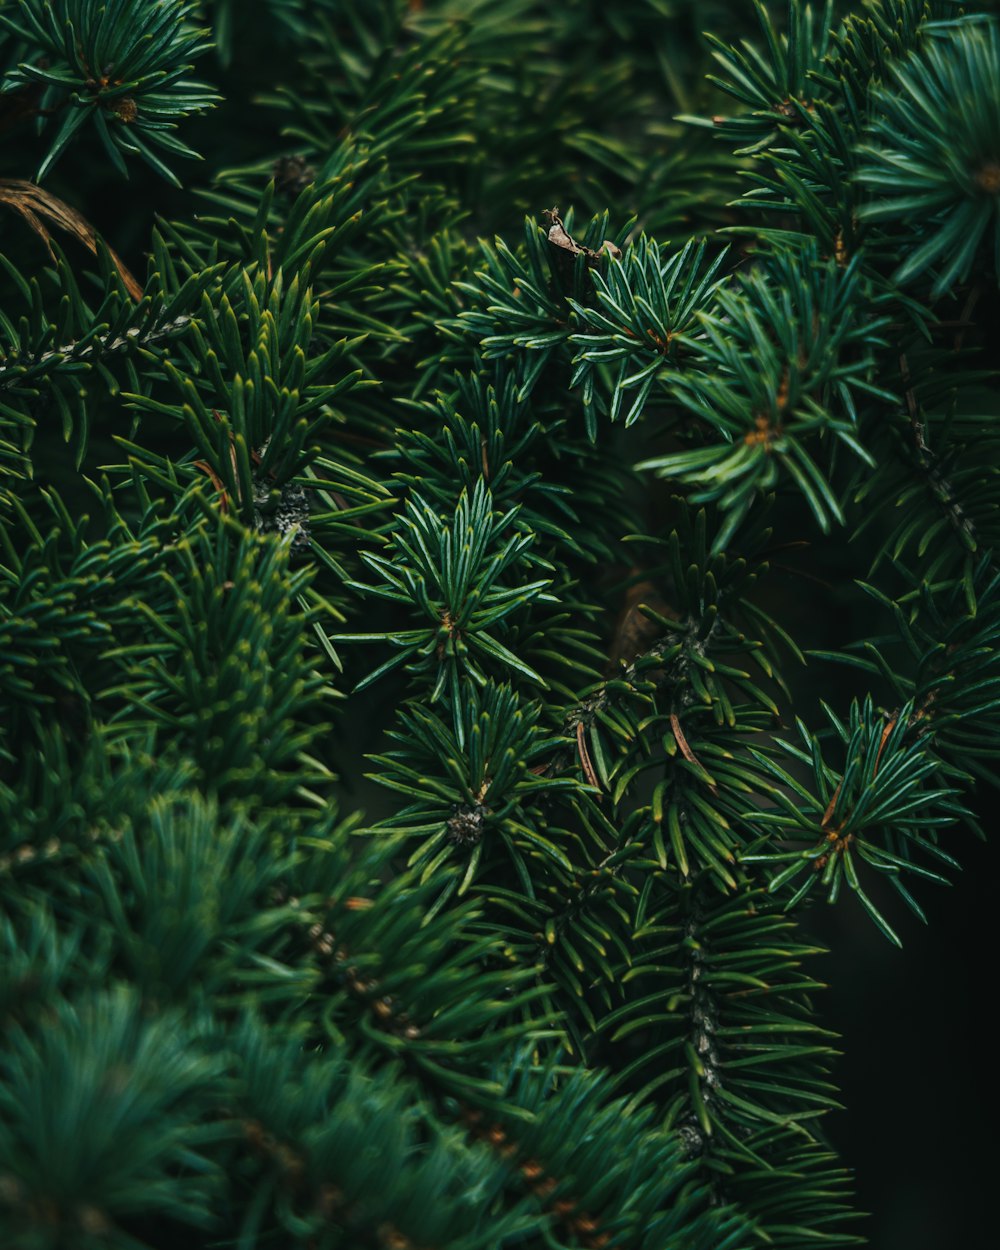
(38, 206)
(584, 754)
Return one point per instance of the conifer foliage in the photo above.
(416, 767)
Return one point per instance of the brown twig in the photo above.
(686, 751)
(584, 754)
(889, 727)
(34, 204)
(828, 814)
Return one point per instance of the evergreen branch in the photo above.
(120, 67)
(885, 808)
(549, 992)
(715, 998)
